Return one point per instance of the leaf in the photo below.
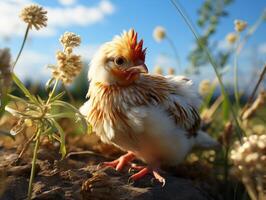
(24, 89)
(74, 109)
(57, 97)
(61, 115)
(62, 138)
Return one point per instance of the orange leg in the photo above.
(143, 171)
(120, 163)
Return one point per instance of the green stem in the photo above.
(22, 46)
(236, 88)
(33, 166)
(52, 92)
(214, 65)
(170, 41)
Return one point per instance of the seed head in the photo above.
(158, 70)
(231, 38)
(240, 25)
(68, 66)
(159, 33)
(34, 16)
(204, 87)
(249, 158)
(70, 40)
(171, 71)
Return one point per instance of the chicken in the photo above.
(152, 117)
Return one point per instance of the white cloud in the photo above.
(262, 49)
(87, 51)
(164, 61)
(33, 65)
(67, 2)
(58, 17)
(224, 45)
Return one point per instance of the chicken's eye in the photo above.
(119, 61)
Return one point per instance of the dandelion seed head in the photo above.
(34, 16)
(159, 33)
(240, 25)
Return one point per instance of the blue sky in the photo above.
(97, 21)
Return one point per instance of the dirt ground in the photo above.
(79, 177)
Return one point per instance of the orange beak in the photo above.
(130, 74)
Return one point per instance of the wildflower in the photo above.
(249, 161)
(240, 25)
(70, 40)
(34, 15)
(204, 87)
(231, 38)
(171, 71)
(159, 33)
(69, 66)
(158, 70)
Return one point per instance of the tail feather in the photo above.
(205, 141)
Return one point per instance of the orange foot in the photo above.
(143, 171)
(120, 163)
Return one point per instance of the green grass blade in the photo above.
(24, 89)
(213, 64)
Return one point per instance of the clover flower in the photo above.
(240, 25)
(159, 33)
(34, 16)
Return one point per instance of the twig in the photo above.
(25, 146)
(253, 92)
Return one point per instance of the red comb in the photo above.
(138, 52)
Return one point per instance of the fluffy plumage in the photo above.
(155, 117)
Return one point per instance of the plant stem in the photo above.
(33, 166)
(22, 46)
(214, 65)
(236, 89)
(170, 41)
(52, 92)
